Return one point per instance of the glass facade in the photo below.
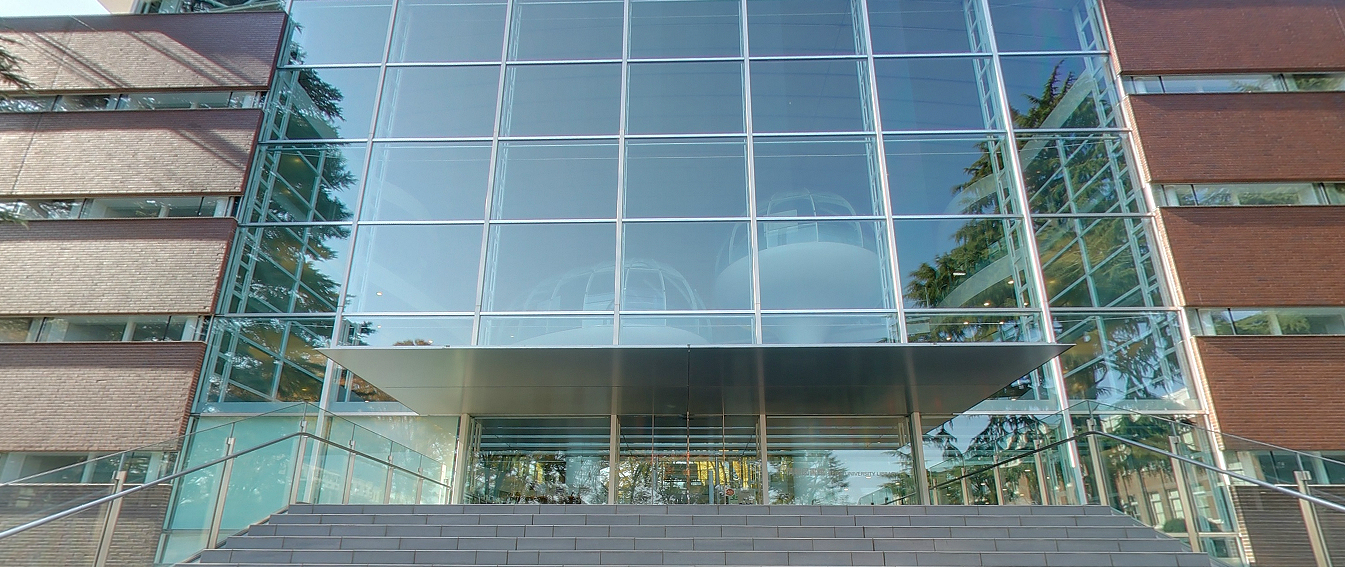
(673, 172)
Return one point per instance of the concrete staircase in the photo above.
(943, 536)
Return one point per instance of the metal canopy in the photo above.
(848, 379)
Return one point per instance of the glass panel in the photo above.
(339, 31)
(415, 268)
(324, 103)
(686, 178)
(1046, 25)
(829, 328)
(963, 263)
(685, 329)
(685, 98)
(816, 177)
(438, 102)
(804, 27)
(674, 266)
(448, 30)
(837, 460)
(925, 26)
(553, 29)
(307, 183)
(949, 176)
(817, 265)
(679, 459)
(562, 100)
(1309, 321)
(74, 103)
(551, 267)
(15, 330)
(258, 360)
(407, 331)
(1097, 262)
(1316, 82)
(555, 180)
(546, 331)
(291, 269)
(810, 96)
(27, 103)
(540, 460)
(1221, 84)
(427, 181)
(1124, 357)
(82, 329)
(168, 101)
(936, 94)
(1060, 92)
(1066, 174)
(684, 28)
(973, 327)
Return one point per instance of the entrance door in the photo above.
(676, 459)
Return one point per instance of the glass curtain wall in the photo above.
(538, 172)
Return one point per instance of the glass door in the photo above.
(679, 459)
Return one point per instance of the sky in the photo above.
(14, 8)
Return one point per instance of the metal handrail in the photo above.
(117, 496)
(1088, 409)
(179, 441)
(1164, 452)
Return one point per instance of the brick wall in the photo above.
(1241, 137)
(147, 52)
(112, 266)
(95, 396)
(1215, 36)
(73, 541)
(1283, 390)
(1257, 256)
(1275, 529)
(124, 153)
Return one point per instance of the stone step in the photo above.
(706, 519)
(1130, 530)
(688, 535)
(702, 509)
(759, 558)
(700, 544)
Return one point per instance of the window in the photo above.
(1250, 194)
(109, 328)
(1235, 83)
(1270, 321)
(121, 207)
(133, 101)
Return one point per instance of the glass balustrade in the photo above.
(192, 492)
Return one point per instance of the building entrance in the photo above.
(689, 460)
(680, 459)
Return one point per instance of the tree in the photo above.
(10, 71)
(11, 74)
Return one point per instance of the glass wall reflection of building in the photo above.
(474, 172)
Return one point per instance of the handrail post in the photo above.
(1184, 492)
(918, 459)
(1041, 472)
(350, 473)
(1095, 455)
(387, 481)
(217, 517)
(110, 522)
(999, 485)
(298, 475)
(1311, 522)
